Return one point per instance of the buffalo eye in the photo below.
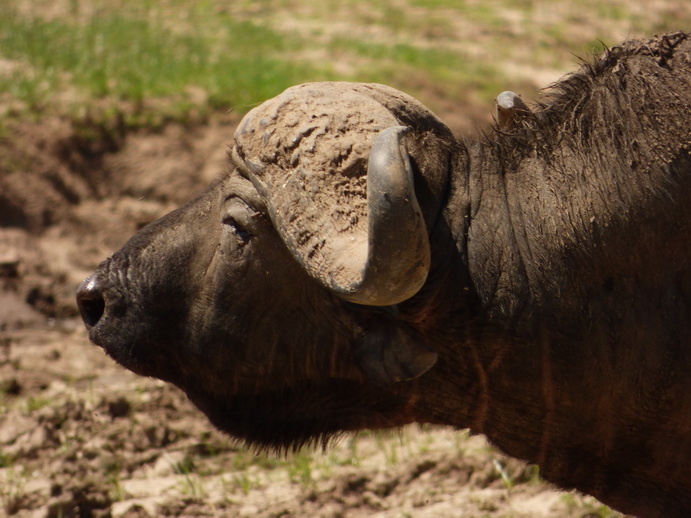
(237, 229)
(239, 220)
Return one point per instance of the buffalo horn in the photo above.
(369, 247)
(398, 254)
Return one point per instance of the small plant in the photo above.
(353, 447)
(5, 346)
(192, 484)
(243, 481)
(36, 403)
(531, 474)
(587, 506)
(505, 476)
(388, 445)
(300, 468)
(6, 460)
(116, 491)
(11, 489)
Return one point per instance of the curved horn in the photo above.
(339, 187)
(398, 254)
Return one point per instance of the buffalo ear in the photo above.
(392, 351)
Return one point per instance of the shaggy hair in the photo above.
(609, 99)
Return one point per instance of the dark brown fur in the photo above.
(558, 301)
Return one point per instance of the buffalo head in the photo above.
(273, 299)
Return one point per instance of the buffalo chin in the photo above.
(143, 361)
(313, 414)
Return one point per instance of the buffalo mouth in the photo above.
(123, 353)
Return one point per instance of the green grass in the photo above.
(34, 404)
(12, 490)
(148, 62)
(131, 56)
(588, 506)
(448, 73)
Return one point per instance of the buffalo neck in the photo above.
(547, 284)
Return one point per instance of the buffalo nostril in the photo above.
(90, 301)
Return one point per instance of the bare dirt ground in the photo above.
(80, 436)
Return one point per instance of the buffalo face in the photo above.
(271, 298)
(210, 299)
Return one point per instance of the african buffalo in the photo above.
(360, 267)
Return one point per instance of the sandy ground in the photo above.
(82, 437)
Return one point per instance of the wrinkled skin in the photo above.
(558, 300)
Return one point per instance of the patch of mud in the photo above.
(70, 195)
